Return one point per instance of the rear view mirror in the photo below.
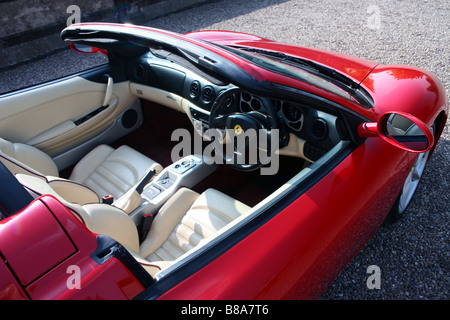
(401, 130)
(81, 48)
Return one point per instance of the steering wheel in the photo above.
(251, 134)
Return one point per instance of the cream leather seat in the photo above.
(185, 221)
(103, 171)
(110, 171)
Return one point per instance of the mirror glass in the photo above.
(81, 48)
(405, 132)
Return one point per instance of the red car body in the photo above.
(41, 244)
(295, 254)
(312, 239)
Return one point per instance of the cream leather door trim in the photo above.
(84, 131)
(29, 113)
(43, 116)
(52, 133)
(109, 91)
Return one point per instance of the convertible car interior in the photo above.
(125, 181)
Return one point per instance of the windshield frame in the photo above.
(302, 71)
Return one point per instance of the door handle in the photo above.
(109, 90)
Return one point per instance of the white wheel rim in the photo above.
(412, 181)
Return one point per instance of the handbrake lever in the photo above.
(150, 174)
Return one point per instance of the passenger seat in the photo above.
(103, 171)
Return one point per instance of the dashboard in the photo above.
(197, 90)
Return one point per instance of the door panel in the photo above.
(62, 114)
(60, 138)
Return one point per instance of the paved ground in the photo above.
(413, 255)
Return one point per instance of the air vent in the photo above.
(208, 94)
(319, 129)
(194, 90)
(140, 71)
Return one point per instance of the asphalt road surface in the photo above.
(413, 254)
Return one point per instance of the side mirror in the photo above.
(84, 49)
(401, 130)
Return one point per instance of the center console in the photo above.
(186, 172)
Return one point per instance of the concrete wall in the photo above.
(30, 28)
(22, 15)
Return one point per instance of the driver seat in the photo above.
(102, 172)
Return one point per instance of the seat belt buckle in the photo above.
(108, 199)
(146, 223)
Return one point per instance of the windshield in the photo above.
(305, 71)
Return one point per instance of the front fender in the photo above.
(406, 89)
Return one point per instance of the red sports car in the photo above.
(210, 165)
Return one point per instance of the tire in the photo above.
(409, 188)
